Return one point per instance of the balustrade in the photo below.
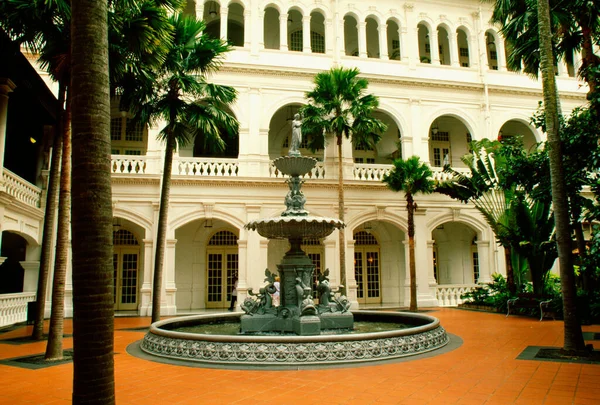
(207, 167)
(13, 307)
(128, 164)
(371, 172)
(21, 189)
(448, 295)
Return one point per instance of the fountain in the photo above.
(297, 313)
(298, 331)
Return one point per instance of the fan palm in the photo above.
(339, 107)
(412, 177)
(177, 93)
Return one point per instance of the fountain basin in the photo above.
(295, 227)
(423, 335)
(295, 165)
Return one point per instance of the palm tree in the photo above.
(178, 93)
(573, 336)
(573, 24)
(338, 106)
(412, 177)
(54, 347)
(93, 303)
(138, 31)
(43, 27)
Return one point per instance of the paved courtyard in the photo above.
(483, 370)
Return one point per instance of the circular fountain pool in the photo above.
(407, 334)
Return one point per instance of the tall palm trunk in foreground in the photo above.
(572, 327)
(54, 347)
(49, 215)
(93, 302)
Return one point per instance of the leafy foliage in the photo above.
(339, 106)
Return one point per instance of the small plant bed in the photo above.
(472, 306)
(37, 361)
(22, 340)
(557, 354)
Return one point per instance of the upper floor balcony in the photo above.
(421, 40)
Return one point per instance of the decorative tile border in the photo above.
(230, 352)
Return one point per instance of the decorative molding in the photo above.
(244, 353)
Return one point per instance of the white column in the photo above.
(431, 275)
(425, 293)
(409, 38)
(405, 288)
(168, 301)
(260, 40)
(562, 68)
(485, 261)
(306, 48)
(283, 36)
(352, 287)
(249, 41)
(199, 9)
(453, 49)
(145, 298)
(6, 87)
(243, 261)
(224, 16)
(383, 43)
(362, 39)
(434, 46)
(329, 37)
(500, 54)
(473, 52)
(30, 278)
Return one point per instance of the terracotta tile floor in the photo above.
(483, 370)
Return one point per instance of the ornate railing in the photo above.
(21, 189)
(317, 172)
(371, 172)
(448, 295)
(129, 164)
(13, 307)
(206, 167)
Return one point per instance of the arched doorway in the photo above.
(222, 263)
(367, 271)
(455, 254)
(126, 264)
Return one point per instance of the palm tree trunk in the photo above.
(93, 273)
(161, 232)
(341, 232)
(410, 206)
(54, 347)
(510, 272)
(49, 215)
(573, 337)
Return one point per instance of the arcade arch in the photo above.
(449, 140)
(206, 263)
(455, 254)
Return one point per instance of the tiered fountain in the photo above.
(297, 313)
(298, 332)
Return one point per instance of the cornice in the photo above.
(308, 74)
(520, 91)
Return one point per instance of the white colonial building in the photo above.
(439, 70)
